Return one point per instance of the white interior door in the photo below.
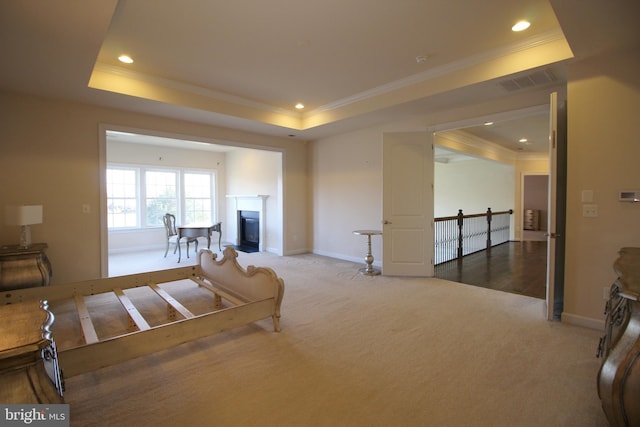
(551, 217)
(407, 204)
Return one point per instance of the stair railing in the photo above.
(460, 235)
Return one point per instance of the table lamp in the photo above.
(24, 216)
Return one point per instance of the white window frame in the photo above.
(136, 171)
(141, 201)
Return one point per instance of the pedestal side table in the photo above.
(368, 259)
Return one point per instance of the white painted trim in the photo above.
(357, 260)
(536, 41)
(539, 40)
(586, 322)
(252, 202)
(193, 89)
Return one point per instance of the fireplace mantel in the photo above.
(252, 202)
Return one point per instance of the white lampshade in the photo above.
(23, 215)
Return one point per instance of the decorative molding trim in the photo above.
(533, 42)
(193, 89)
(586, 322)
(539, 40)
(476, 147)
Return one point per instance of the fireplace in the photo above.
(248, 231)
(256, 221)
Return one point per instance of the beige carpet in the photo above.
(361, 351)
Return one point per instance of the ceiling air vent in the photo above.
(539, 78)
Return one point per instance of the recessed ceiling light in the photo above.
(520, 26)
(523, 140)
(125, 58)
(420, 59)
(488, 123)
(299, 106)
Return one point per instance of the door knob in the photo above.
(386, 222)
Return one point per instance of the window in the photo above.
(122, 198)
(197, 197)
(138, 197)
(161, 196)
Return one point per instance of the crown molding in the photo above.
(464, 142)
(532, 42)
(192, 89)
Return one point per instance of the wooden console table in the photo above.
(24, 268)
(29, 371)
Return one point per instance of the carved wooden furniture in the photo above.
(193, 231)
(29, 370)
(24, 267)
(234, 297)
(173, 235)
(619, 375)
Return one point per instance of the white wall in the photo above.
(50, 155)
(346, 191)
(603, 151)
(139, 154)
(253, 172)
(473, 186)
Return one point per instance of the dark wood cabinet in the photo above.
(619, 375)
(24, 267)
(29, 370)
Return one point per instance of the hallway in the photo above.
(515, 267)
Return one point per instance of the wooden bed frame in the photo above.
(236, 297)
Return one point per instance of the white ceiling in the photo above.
(244, 64)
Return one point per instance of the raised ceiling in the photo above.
(245, 64)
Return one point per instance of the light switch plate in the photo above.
(590, 211)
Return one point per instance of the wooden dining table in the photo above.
(199, 230)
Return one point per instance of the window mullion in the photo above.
(142, 197)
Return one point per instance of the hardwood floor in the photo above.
(515, 267)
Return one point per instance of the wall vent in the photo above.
(539, 78)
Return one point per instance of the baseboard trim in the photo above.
(357, 260)
(586, 322)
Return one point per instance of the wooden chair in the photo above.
(172, 234)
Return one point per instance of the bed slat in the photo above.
(234, 298)
(88, 331)
(171, 301)
(132, 311)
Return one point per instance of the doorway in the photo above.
(501, 140)
(234, 170)
(535, 197)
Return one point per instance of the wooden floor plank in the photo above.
(514, 267)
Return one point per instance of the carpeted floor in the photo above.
(361, 351)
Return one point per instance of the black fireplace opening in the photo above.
(248, 231)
